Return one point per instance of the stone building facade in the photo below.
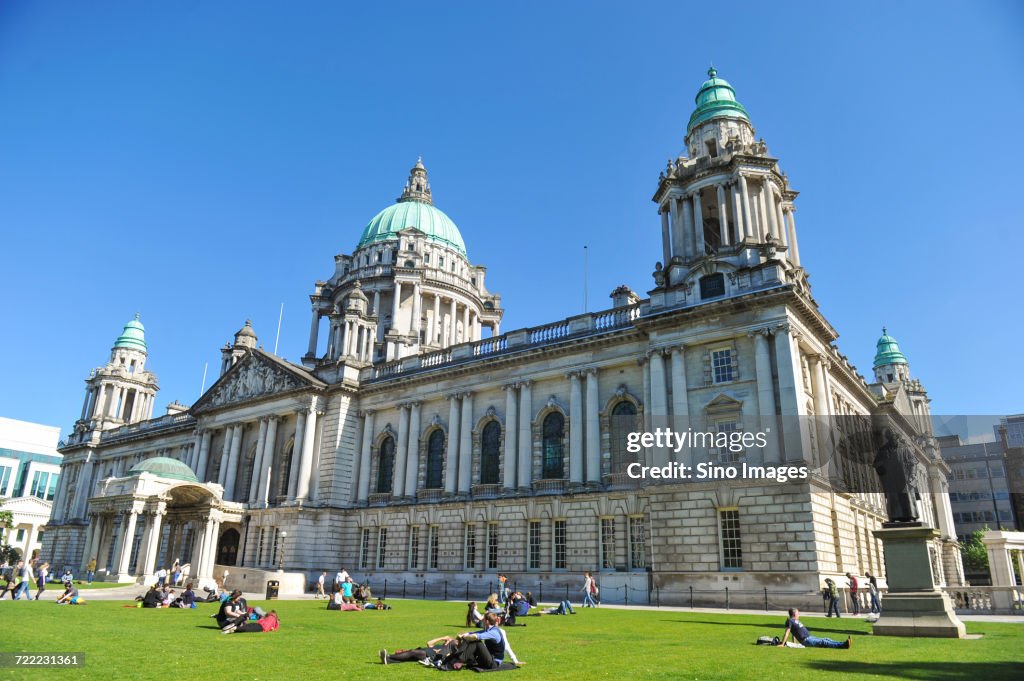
(417, 441)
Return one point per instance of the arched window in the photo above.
(227, 547)
(554, 434)
(622, 424)
(489, 444)
(435, 460)
(385, 465)
(285, 468)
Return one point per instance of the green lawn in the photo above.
(313, 643)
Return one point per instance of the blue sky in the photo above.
(202, 163)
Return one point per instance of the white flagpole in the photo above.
(279, 318)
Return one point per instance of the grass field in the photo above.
(313, 643)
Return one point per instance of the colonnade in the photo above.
(517, 472)
(755, 216)
(106, 401)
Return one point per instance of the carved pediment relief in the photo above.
(251, 378)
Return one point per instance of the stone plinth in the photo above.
(914, 606)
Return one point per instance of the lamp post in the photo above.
(280, 552)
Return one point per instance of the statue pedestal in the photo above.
(914, 606)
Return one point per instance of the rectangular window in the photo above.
(5, 477)
(259, 548)
(364, 549)
(414, 547)
(434, 539)
(607, 543)
(470, 552)
(726, 454)
(560, 545)
(535, 545)
(382, 547)
(637, 543)
(274, 556)
(729, 540)
(492, 546)
(721, 365)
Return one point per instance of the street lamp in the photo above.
(280, 553)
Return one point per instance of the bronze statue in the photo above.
(894, 464)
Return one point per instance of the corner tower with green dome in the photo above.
(407, 288)
(122, 391)
(890, 364)
(726, 208)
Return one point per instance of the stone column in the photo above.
(765, 391)
(687, 236)
(234, 434)
(680, 404)
(465, 323)
(395, 304)
(105, 538)
(126, 543)
(794, 252)
(525, 435)
(576, 428)
(211, 549)
(698, 221)
(748, 220)
(293, 473)
(91, 537)
(593, 428)
(659, 399)
(508, 478)
(666, 247)
(97, 407)
(153, 543)
(791, 402)
(414, 325)
(84, 488)
(204, 454)
(676, 224)
(451, 466)
(452, 326)
(466, 444)
(257, 463)
(266, 469)
(412, 466)
(306, 459)
(402, 451)
(364, 456)
(771, 210)
(819, 367)
(645, 372)
(435, 324)
(723, 214)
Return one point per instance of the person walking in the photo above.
(320, 586)
(876, 604)
(588, 591)
(27, 576)
(41, 577)
(854, 592)
(804, 638)
(833, 597)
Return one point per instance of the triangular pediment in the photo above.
(724, 401)
(255, 376)
(27, 505)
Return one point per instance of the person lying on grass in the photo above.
(435, 649)
(484, 649)
(803, 637)
(268, 622)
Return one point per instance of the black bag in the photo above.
(768, 641)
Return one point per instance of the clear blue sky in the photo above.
(202, 162)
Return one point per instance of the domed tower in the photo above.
(122, 391)
(409, 287)
(726, 208)
(890, 364)
(245, 340)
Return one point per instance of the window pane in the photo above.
(489, 454)
(554, 432)
(435, 460)
(385, 465)
(559, 544)
(732, 553)
(623, 423)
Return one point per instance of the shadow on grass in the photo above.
(814, 630)
(930, 671)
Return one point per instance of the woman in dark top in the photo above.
(153, 598)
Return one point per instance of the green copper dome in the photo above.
(165, 468)
(888, 351)
(133, 336)
(715, 99)
(423, 216)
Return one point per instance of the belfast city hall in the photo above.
(420, 442)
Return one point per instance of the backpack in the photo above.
(768, 641)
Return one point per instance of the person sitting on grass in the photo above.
(153, 598)
(803, 637)
(473, 616)
(231, 613)
(485, 649)
(268, 622)
(435, 649)
(187, 599)
(70, 595)
(493, 604)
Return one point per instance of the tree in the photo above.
(7, 552)
(974, 554)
